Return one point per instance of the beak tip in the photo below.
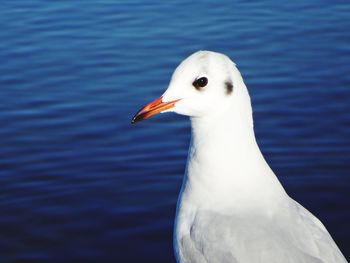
(138, 117)
(134, 120)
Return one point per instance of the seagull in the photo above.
(232, 207)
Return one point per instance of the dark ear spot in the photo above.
(228, 87)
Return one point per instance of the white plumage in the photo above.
(232, 208)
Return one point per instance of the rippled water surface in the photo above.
(80, 184)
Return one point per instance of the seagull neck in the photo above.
(225, 165)
(236, 129)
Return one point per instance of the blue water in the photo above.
(79, 183)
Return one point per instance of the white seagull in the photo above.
(231, 207)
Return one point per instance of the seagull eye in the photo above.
(200, 83)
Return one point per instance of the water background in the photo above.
(78, 183)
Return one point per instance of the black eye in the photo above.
(200, 83)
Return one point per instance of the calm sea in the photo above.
(79, 183)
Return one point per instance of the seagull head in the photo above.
(203, 84)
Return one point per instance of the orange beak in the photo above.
(153, 108)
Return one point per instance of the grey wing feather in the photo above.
(294, 236)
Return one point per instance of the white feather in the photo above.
(232, 208)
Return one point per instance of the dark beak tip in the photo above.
(138, 117)
(134, 120)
